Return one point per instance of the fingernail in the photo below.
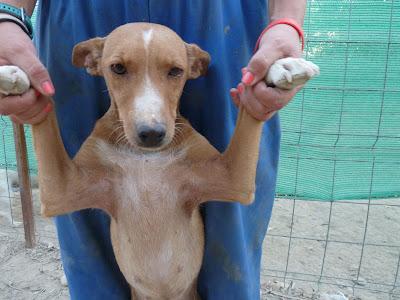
(233, 93)
(248, 78)
(240, 88)
(244, 70)
(48, 87)
(48, 108)
(37, 93)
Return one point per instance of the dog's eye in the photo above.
(118, 69)
(175, 72)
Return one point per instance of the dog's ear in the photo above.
(198, 61)
(88, 54)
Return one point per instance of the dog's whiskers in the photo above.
(118, 126)
(178, 134)
(121, 137)
(115, 130)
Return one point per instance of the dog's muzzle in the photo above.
(151, 136)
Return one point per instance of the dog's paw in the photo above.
(287, 73)
(13, 81)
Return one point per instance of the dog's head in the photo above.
(145, 67)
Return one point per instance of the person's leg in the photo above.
(234, 236)
(81, 99)
(88, 258)
(228, 31)
(234, 233)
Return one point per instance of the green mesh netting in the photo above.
(7, 150)
(341, 135)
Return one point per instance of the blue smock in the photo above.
(228, 30)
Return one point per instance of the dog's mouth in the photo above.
(154, 148)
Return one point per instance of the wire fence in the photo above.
(341, 145)
(347, 246)
(6, 195)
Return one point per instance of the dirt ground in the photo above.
(27, 273)
(336, 264)
(37, 273)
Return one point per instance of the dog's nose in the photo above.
(151, 136)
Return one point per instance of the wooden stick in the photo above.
(24, 184)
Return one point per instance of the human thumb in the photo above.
(256, 69)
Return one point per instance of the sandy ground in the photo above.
(37, 273)
(342, 270)
(27, 273)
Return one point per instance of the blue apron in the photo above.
(228, 30)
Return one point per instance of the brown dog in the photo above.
(144, 164)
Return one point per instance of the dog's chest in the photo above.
(144, 180)
(150, 181)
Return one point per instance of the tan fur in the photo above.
(151, 196)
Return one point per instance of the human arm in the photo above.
(278, 42)
(16, 48)
(294, 9)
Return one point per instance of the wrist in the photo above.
(280, 34)
(8, 20)
(17, 15)
(287, 22)
(11, 28)
(277, 17)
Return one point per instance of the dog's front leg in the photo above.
(231, 176)
(64, 185)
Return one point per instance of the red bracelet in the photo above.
(286, 21)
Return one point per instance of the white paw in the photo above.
(13, 81)
(287, 73)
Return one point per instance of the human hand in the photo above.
(17, 49)
(258, 99)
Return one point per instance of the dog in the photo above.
(143, 163)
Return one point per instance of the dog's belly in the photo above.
(160, 262)
(157, 242)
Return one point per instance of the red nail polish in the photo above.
(240, 88)
(48, 108)
(248, 78)
(48, 87)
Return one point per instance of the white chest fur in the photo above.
(142, 179)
